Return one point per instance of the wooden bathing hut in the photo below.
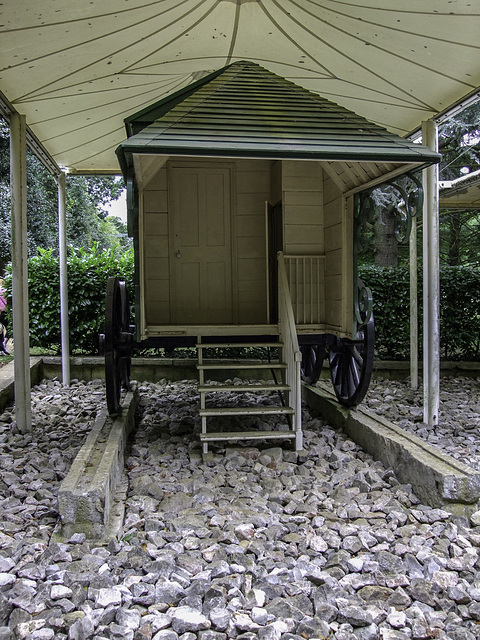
(242, 199)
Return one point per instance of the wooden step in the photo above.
(246, 411)
(222, 365)
(246, 435)
(242, 388)
(238, 345)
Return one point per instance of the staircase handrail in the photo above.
(286, 316)
(292, 354)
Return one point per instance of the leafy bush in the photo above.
(459, 311)
(391, 310)
(88, 272)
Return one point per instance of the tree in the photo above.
(459, 143)
(86, 197)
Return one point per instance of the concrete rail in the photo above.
(437, 479)
(91, 497)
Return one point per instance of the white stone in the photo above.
(108, 596)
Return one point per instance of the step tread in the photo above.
(244, 411)
(237, 345)
(246, 435)
(240, 388)
(220, 366)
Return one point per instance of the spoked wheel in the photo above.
(117, 342)
(351, 365)
(312, 362)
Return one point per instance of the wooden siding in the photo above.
(338, 270)
(302, 187)
(303, 235)
(314, 224)
(155, 250)
(251, 190)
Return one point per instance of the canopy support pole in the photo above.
(431, 284)
(18, 182)
(413, 306)
(62, 247)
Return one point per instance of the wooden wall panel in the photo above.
(155, 201)
(302, 186)
(252, 191)
(155, 250)
(338, 259)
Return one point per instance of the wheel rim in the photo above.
(117, 343)
(351, 365)
(312, 361)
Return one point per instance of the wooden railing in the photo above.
(291, 351)
(305, 277)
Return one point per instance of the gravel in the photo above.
(255, 542)
(459, 416)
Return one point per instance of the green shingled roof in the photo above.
(244, 110)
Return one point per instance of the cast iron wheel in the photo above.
(117, 343)
(351, 365)
(312, 362)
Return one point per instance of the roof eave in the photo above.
(422, 159)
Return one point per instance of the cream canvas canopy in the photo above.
(462, 193)
(77, 69)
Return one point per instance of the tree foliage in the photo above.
(460, 324)
(88, 271)
(86, 198)
(459, 143)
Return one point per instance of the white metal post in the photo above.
(413, 306)
(62, 247)
(18, 186)
(431, 284)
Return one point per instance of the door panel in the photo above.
(201, 256)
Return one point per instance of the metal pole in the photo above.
(18, 186)
(413, 306)
(62, 246)
(431, 284)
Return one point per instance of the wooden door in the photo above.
(201, 246)
(274, 245)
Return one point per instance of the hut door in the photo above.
(201, 253)
(274, 245)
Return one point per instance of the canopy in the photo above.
(77, 69)
(462, 193)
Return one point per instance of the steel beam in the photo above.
(18, 186)
(431, 284)
(62, 246)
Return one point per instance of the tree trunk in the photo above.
(386, 245)
(455, 225)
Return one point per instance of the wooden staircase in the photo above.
(290, 421)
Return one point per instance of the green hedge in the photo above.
(459, 311)
(88, 272)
